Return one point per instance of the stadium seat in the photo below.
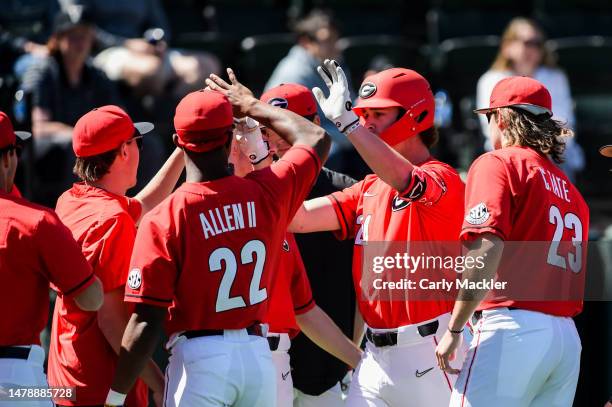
(223, 45)
(359, 52)
(467, 18)
(569, 18)
(243, 18)
(461, 61)
(587, 61)
(594, 129)
(260, 55)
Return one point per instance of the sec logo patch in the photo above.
(478, 214)
(134, 280)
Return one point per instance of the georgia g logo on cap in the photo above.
(279, 102)
(367, 89)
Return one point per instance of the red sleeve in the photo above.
(63, 262)
(345, 205)
(153, 273)
(426, 185)
(289, 180)
(134, 208)
(116, 241)
(301, 293)
(488, 201)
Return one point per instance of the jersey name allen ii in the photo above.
(228, 218)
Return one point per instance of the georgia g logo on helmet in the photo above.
(367, 89)
(279, 102)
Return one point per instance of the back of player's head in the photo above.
(522, 108)
(309, 26)
(402, 88)
(97, 138)
(203, 121)
(292, 96)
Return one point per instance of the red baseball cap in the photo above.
(104, 129)
(292, 96)
(8, 136)
(202, 120)
(520, 92)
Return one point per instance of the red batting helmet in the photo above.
(399, 87)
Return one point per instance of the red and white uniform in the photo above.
(291, 295)
(372, 211)
(35, 249)
(207, 253)
(104, 225)
(518, 194)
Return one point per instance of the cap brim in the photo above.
(606, 151)
(533, 109)
(144, 127)
(23, 136)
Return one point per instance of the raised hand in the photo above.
(337, 107)
(238, 95)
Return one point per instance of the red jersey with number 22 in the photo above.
(520, 195)
(208, 251)
(372, 211)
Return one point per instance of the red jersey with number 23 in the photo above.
(519, 194)
(208, 251)
(372, 211)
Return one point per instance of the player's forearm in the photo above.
(153, 377)
(358, 327)
(293, 128)
(266, 162)
(315, 215)
(137, 346)
(322, 330)
(162, 184)
(387, 163)
(489, 247)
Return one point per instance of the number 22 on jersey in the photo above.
(224, 256)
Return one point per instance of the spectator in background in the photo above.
(24, 29)
(133, 36)
(317, 37)
(64, 86)
(523, 52)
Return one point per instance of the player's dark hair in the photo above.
(92, 169)
(316, 20)
(543, 134)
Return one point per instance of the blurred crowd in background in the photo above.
(61, 58)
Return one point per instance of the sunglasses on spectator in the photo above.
(532, 42)
(14, 147)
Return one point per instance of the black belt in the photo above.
(273, 341)
(251, 330)
(14, 352)
(380, 339)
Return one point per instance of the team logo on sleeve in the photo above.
(367, 90)
(134, 280)
(478, 214)
(285, 245)
(279, 102)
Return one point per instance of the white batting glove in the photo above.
(249, 139)
(338, 106)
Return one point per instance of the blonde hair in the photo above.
(501, 63)
(545, 135)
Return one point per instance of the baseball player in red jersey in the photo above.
(291, 305)
(204, 255)
(411, 197)
(35, 249)
(84, 345)
(524, 353)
